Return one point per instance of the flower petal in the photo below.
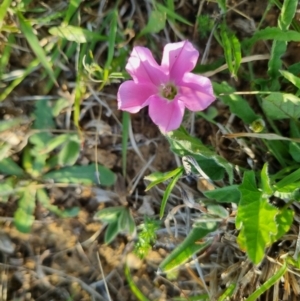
(196, 92)
(179, 58)
(132, 96)
(143, 68)
(166, 114)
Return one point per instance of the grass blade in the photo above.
(125, 134)
(3, 8)
(270, 282)
(35, 45)
(168, 191)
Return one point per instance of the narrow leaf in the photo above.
(159, 177)
(295, 80)
(237, 104)
(269, 283)
(76, 34)
(188, 247)
(33, 41)
(168, 192)
(82, 175)
(226, 194)
(23, 217)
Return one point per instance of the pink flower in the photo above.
(167, 88)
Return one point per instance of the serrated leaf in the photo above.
(69, 153)
(265, 181)
(188, 247)
(43, 115)
(9, 167)
(183, 144)
(237, 104)
(281, 105)
(256, 217)
(82, 175)
(76, 34)
(23, 217)
(227, 194)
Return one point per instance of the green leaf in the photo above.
(82, 175)
(126, 221)
(158, 177)
(294, 150)
(23, 217)
(274, 33)
(111, 232)
(287, 13)
(232, 49)
(172, 14)
(281, 105)
(125, 135)
(188, 247)
(59, 105)
(113, 27)
(295, 80)
(6, 189)
(156, 22)
(4, 150)
(3, 9)
(69, 153)
(76, 34)
(33, 41)
(268, 284)
(237, 104)
(168, 192)
(109, 215)
(9, 167)
(8, 124)
(134, 288)
(183, 144)
(265, 181)
(226, 194)
(289, 179)
(284, 220)
(256, 219)
(217, 210)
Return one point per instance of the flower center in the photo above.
(168, 91)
